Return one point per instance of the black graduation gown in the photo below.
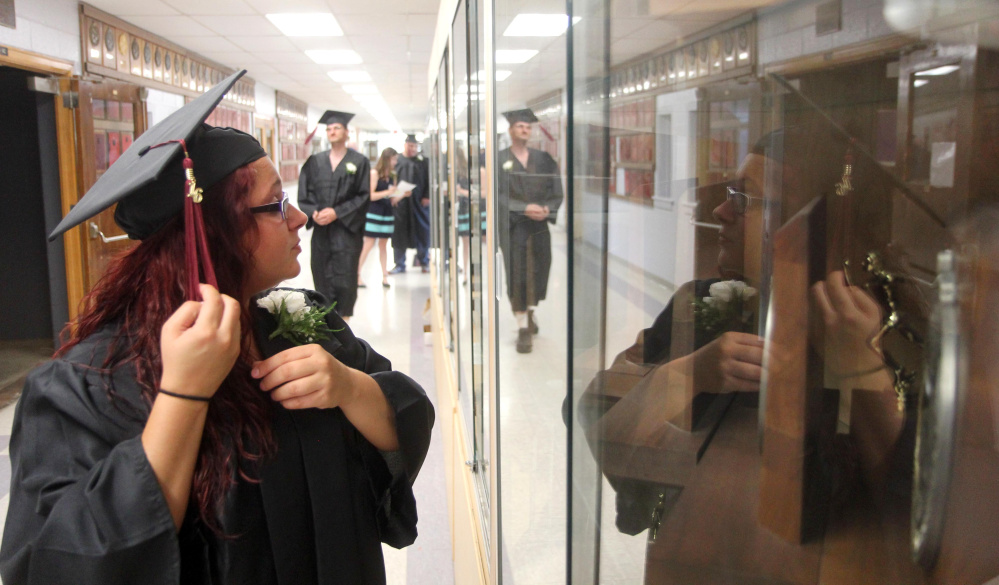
(85, 506)
(526, 243)
(336, 247)
(412, 219)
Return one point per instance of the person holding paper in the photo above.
(412, 215)
(380, 224)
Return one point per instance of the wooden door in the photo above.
(264, 132)
(95, 129)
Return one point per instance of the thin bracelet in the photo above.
(186, 396)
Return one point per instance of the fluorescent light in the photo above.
(334, 57)
(539, 25)
(514, 56)
(920, 82)
(943, 70)
(346, 76)
(315, 24)
(360, 88)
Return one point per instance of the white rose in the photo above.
(709, 301)
(295, 304)
(351, 168)
(748, 292)
(272, 302)
(508, 165)
(721, 291)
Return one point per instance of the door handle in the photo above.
(95, 232)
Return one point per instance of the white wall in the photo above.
(49, 27)
(265, 100)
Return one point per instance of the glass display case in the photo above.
(737, 326)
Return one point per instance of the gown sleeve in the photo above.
(85, 506)
(307, 201)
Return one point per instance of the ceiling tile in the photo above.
(366, 24)
(213, 7)
(125, 8)
(421, 43)
(170, 26)
(206, 44)
(283, 57)
(279, 6)
(234, 59)
(262, 43)
(239, 25)
(422, 24)
(308, 43)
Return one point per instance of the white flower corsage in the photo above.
(727, 308)
(351, 168)
(419, 157)
(297, 321)
(508, 165)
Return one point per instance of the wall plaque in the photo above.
(7, 17)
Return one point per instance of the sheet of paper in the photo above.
(404, 186)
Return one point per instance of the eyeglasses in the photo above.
(740, 201)
(277, 206)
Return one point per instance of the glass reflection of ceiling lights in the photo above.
(349, 76)
(920, 82)
(321, 24)
(334, 57)
(501, 74)
(937, 71)
(514, 56)
(539, 25)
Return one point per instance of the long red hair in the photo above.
(238, 428)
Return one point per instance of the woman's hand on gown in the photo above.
(199, 344)
(307, 376)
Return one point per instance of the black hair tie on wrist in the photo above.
(186, 396)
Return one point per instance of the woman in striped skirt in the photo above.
(380, 222)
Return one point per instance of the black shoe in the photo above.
(361, 285)
(532, 325)
(525, 342)
(399, 269)
(424, 268)
(386, 284)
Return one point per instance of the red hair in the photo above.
(238, 426)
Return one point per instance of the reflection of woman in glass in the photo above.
(380, 221)
(660, 396)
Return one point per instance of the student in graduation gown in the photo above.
(177, 442)
(412, 215)
(530, 193)
(333, 190)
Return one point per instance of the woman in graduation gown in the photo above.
(177, 442)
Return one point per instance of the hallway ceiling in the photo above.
(392, 38)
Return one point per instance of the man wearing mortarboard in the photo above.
(529, 195)
(333, 190)
(412, 214)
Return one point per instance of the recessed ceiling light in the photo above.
(360, 88)
(514, 56)
(314, 24)
(501, 74)
(349, 76)
(539, 25)
(942, 70)
(334, 57)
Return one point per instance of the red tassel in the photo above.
(195, 238)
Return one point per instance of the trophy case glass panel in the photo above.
(778, 264)
(443, 205)
(532, 285)
(462, 309)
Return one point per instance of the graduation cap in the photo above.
(165, 171)
(412, 138)
(524, 115)
(332, 117)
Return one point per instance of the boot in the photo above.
(525, 342)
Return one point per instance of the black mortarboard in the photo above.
(148, 180)
(412, 138)
(331, 117)
(524, 115)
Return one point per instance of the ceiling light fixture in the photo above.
(334, 57)
(314, 24)
(942, 70)
(539, 25)
(514, 56)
